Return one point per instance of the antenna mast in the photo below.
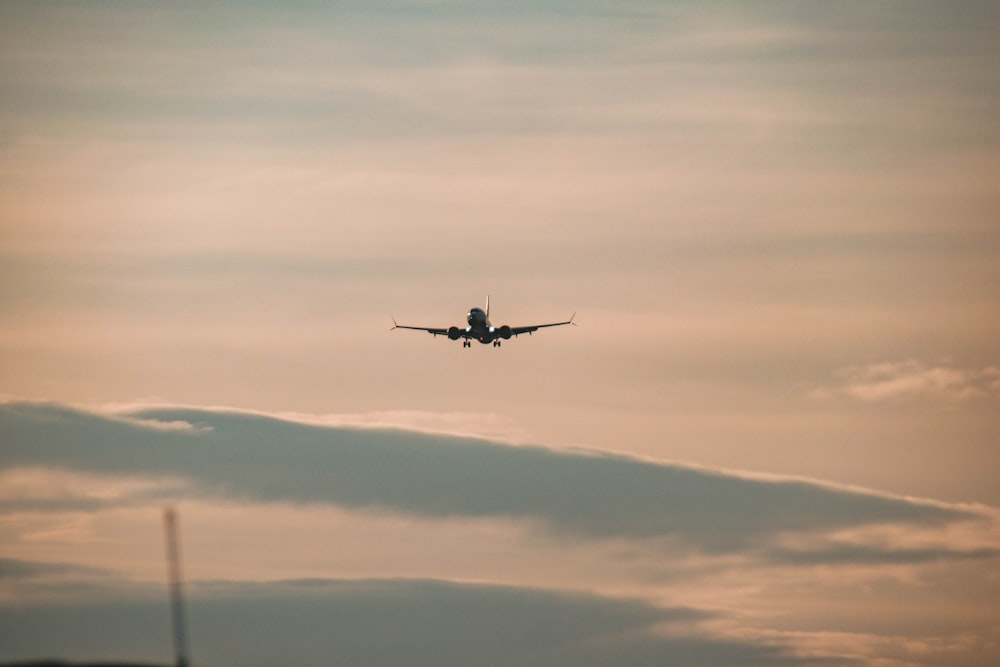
(175, 586)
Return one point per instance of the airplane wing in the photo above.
(431, 330)
(517, 331)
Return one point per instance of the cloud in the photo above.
(608, 559)
(856, 554)
(414, 622)
(577, 494)
(913, 380)
(44, 489)
(12, 568)
(44, 584)
(468, 424)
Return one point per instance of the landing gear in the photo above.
(496, 343)
(466, 343)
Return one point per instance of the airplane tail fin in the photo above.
(487, 306)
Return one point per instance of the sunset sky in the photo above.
(772, 438)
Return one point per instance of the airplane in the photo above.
(479, 328)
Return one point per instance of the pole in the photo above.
(175, 587)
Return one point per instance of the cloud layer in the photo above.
(583, 494)
(355, 622)
(594, 558)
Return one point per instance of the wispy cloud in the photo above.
(840, 554)
(912, 380)
(48, 489)
(467, 424)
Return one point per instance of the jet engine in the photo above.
(454, 333)
(504, 332)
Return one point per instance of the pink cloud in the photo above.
(914, 380)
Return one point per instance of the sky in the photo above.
(771, 439)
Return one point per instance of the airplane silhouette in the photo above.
(479, 328)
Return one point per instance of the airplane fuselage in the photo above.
(479, 325)
(481, 329)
